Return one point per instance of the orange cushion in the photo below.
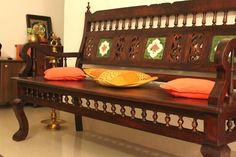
(64, 73)
(189, 87)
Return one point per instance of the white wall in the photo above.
(13, 20)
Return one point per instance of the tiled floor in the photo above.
(66, 142)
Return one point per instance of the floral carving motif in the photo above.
(176, 49)
(195, 51)
(120, 45)
(88, 47)
(134, 47)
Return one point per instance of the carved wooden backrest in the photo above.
(182, 35)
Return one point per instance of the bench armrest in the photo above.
(41, 49)
(223, 87)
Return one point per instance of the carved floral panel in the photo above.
(119, 47)
(176, 49)
(88, 47)
(196, 48)
(134, 48)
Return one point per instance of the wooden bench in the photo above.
(188, 51)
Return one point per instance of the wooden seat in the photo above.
(151, 94)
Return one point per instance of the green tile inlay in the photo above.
(104, 47)
(155, 48)
(215, 42)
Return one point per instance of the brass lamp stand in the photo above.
(53, 123)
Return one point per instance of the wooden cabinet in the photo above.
(8, 69)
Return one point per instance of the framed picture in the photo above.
(40, 25)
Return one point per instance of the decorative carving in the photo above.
(144, 115)
(108, 108)
(88, 7)
(167, 21)
(53, 97)
(42, 96)
(113, 109)
(194, 19)
(155, 117)
(119, 50)
(134, 47)
(195, 51)
(176, 20)
(185, 20)
(122, 111)
(214, 18)
(180, 122)
(204, 19)
(167, 119)
(194, 125)
(229, 124)
(80, 102)
(105, 26)
(32, 92)
(88, 104)
(159, 22)
(26, 91)
(48, 96)
(176, 49)
(144, 22)
(96, 105)
(225, 17)
(151, 22)
(88, 47)
(130, 24)
(59, 98)
(66, 99)
(104, 106)
(132, 112)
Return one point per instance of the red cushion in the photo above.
(189, 87)
(64, 73)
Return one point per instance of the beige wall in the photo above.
(13, 20)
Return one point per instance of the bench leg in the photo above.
(78, 122)
(22, 120)
(211, 151)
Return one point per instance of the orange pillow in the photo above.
(189, 87)
(64, 73)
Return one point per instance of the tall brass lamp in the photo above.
(53, 122)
